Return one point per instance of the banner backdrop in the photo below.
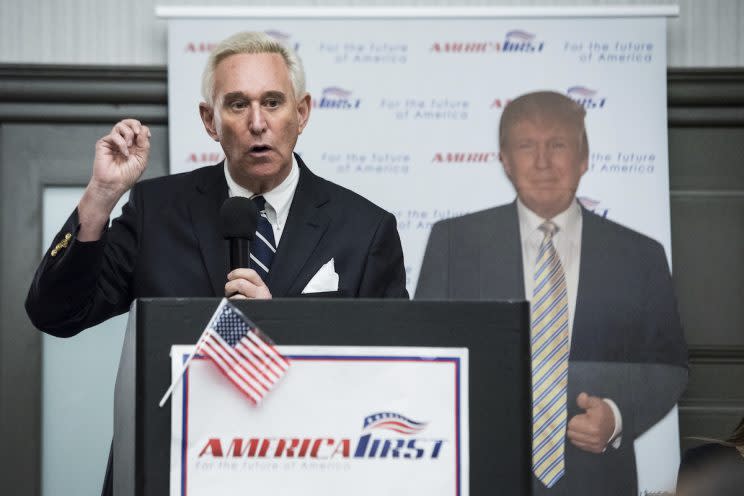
(340, 422)
(406, 110)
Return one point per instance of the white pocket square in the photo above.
(324, 280)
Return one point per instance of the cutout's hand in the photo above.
(591, 430)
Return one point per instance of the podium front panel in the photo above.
(495, 333)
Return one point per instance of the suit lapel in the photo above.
(306, 224)
(591, 284)
(501, 256)
(204, 208)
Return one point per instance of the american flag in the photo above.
(241, 353)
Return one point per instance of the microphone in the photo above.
(238, 220)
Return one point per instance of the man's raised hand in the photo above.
(121, 158)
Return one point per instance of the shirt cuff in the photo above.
(616, 438)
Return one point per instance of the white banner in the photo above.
(406, 111)
(340, 422)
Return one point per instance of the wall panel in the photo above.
(109, 32)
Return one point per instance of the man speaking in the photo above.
(608, 354)
(311, 236)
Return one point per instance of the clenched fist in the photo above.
(244, 284)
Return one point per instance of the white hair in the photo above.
(252, 42)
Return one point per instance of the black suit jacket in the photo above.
(626, 343)
(167, 244)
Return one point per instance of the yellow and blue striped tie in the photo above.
(549, 337)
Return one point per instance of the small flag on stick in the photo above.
(241, 352)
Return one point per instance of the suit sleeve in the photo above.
(384, 272)
(85, 283)
(653, 375)
(433, 281)
(664, 340)
(661, 376)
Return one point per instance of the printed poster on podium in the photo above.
(361, 420)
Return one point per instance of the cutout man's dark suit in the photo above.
(626, 317)
(167, 244)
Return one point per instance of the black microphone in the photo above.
(238, 220)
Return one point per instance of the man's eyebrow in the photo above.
(236, 95)
(233, 95)
(274, 94)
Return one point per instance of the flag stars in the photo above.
(231, 327)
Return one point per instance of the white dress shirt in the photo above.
(567, 242)
(278, 200)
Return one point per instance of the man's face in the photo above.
(544, 159)
(256, 118)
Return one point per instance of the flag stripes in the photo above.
(241, 354)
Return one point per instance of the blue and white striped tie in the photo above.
(263, 247)
(549, 335)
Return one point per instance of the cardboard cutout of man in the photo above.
(608, 353)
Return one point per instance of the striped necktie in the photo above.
(549, 337)
(263, 247)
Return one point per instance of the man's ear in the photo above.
(505, 163)
(303, 111)
(585, 151)
(207, 116)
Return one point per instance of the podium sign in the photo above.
(344, 420)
